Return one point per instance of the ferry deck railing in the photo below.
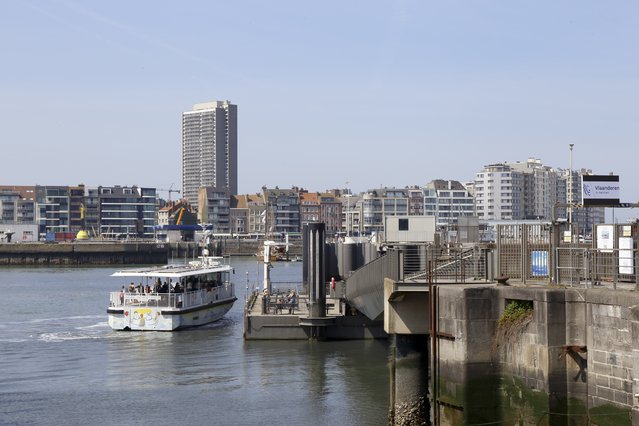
(171, 300)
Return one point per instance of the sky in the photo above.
(331, 94)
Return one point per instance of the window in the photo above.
(403, 224)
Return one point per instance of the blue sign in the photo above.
(539, 260)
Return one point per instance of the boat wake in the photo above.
(66, 336)
(102, 324)
(52, 320)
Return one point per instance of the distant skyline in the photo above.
(367, 92)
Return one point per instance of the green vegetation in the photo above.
(610, 415)
(517, 311)
(512, 322)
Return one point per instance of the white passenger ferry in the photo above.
(172, 297)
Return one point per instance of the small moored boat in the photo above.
(172, 297)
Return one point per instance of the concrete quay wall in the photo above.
(83, 253)
(575, 362)
(228, 247)
(288, 327)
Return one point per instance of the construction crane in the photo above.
(169, 190)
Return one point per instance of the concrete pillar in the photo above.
(314, 274)
(409, 403)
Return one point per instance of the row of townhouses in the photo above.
(500, 192)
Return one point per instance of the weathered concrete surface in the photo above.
(287, 327)
(575, 362)
(274, 327)
(405, 312)
(409, 387)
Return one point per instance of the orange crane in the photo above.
(179, 219)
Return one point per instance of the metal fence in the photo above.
(559, 253)
(578, 266)
(456, 263)
(524, 251)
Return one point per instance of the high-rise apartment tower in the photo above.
(209, 148)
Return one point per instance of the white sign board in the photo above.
(600, 190)
(626, 260)
(605, 238)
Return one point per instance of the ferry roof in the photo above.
(174, 271)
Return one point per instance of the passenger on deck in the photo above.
(279, 305)
(122, 296)
(291, 303)
(148, 289)
(131, 288)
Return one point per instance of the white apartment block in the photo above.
(379, 203)
(542, 188)
(499, 193)
(530, 191)
(447, 200)
(209, 148)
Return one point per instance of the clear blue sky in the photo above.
(370, 92)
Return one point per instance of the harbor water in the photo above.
(60, 363)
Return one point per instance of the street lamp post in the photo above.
(348, 207)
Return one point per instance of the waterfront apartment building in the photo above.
(499, 193)
(519, 191)
(60, 208)
(17, 205)
(321, 207)
(215, 209)
(330, 213)
(18, 214)
(542, 187)
(447, 201)
(248, 214)
(352, 207)
(126, 212)
(415, 201)
(531, 191)
(282, 210)
(209, 148)
(379, 203)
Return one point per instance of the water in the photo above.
(60, 363)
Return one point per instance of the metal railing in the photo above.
(172, 300)
(455, 263)
(593, 267)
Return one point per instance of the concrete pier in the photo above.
(573, 360)
(314, 315)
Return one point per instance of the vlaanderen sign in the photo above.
(600, 190)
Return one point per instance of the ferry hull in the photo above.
(148, 318)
